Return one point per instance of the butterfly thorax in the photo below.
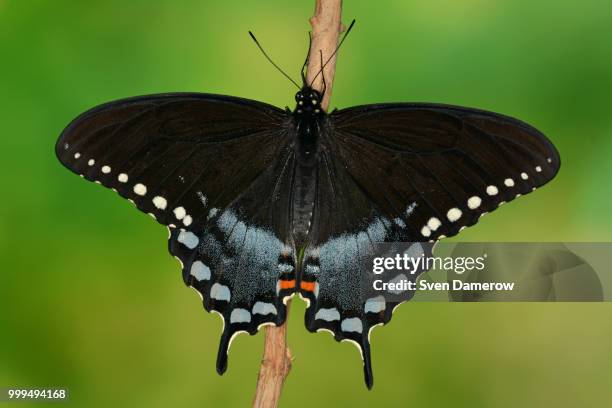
(308, 113)
(308, 116)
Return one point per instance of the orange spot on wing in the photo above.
(287, 284)
(308, 286)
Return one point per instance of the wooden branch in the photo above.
(276, 362)
(275, 366)
(326, 28)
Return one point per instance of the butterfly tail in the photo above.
(224, 345)
(368, 376)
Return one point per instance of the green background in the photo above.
(90, 299)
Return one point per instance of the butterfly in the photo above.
(263, 203)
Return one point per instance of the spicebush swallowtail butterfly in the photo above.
(263, 203)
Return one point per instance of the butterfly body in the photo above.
(308, 120)
(263, 204)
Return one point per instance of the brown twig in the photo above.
(276, 362)
(326, 28)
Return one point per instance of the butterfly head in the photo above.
(308, 102)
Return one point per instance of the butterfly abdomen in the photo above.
(304, 186)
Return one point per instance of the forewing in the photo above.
(454, 163)
(176, 156)
(412, 173)
(201, 165)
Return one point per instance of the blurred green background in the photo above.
(90, 299)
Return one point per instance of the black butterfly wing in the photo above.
(169, 145)
(200, 164)
(243, 261)
(406, 172)
(456, 162)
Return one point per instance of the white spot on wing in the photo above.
(106, 169)
(179, 213)
(263, 308)
(140, 189)
(524, 176)
(123, 178)
(433, 223)
(187, 220)
(160, 202)
(220, 292)
(509, 182)
(492, 190)
(91, 162)
(240, 316)
(474, 202)
(329, 315)
(200, 271)
(453, 214)
(538, 169)
(425, 231)
(77, 155)
(189, 239)
(352, 324)
(374, 305)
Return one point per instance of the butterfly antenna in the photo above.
(272, 62)
(322, 73)
(335, 51)
(303, 71)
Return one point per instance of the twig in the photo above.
(276, 362)
(326, 28)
